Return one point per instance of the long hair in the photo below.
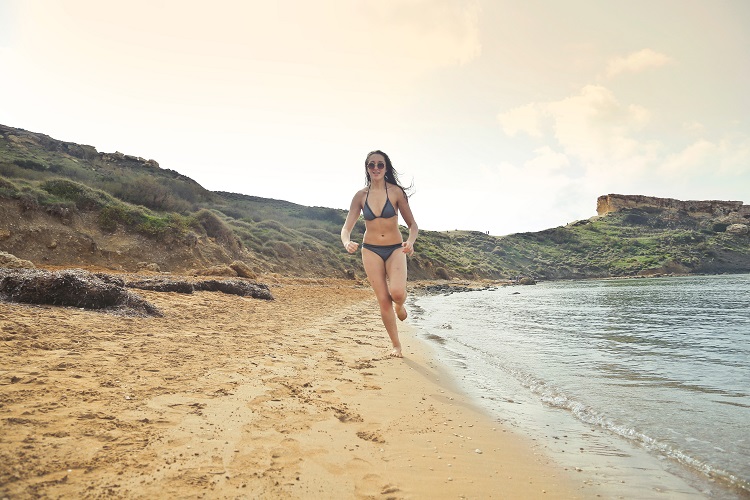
(390, 173)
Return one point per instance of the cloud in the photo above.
(636, 62)
(547, 161)
(591, 126)
(527, 119)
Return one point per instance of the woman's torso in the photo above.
(381, 230)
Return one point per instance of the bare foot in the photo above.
(400, 311)
(396, 352)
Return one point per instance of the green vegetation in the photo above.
(133, 195)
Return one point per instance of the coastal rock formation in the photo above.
(710, 208)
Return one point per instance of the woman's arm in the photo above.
(405, 209)
(354, 209)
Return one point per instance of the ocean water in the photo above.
(642, 385)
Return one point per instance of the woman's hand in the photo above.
(408, 248)
(351, 246)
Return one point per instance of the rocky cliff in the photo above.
(709, 208)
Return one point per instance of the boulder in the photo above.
(242, 270)
(733, 218)
(738, 229)
(217, 271)
(149, 266)
(12, 262)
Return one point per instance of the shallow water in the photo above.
(648, 378)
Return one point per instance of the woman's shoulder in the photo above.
(396, 189)
(360, 195)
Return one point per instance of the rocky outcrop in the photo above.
(20, 136)
(710, 208)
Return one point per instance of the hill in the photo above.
(66, 204)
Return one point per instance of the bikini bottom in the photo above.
(384, 251)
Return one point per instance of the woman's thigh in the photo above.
(395, 268)
(376, 273)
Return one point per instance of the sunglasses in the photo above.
(373, 166)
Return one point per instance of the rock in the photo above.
(236, 287)
(526, 281)
(12, 262)
(615, 202)
(148, 266)
(733, 218)
(162, 285)
(75, 288)
(217, 271)
(242, 270)
(738, 229)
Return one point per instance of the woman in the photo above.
(383, 250)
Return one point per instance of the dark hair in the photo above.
(390, 173)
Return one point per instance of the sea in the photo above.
(639, 386)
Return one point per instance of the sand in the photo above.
(232, 397)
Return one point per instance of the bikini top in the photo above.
(388, 209)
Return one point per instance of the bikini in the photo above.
(384, 251)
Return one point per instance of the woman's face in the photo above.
(376, 166)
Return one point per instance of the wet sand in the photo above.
(232, 397)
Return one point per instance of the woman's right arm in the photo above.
(354, 209)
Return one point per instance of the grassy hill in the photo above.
(64, 204)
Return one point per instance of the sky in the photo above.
(504, 116)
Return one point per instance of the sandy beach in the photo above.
(233, 397)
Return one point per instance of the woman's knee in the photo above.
(398, 295)
(385, 301)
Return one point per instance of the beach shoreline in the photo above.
(231, 397)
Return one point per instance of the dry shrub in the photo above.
(284, 249)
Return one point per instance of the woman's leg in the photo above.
(395, 269)
(376, 274)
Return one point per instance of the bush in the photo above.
(28, 201)
(214, 226)
(6, 185)
(281, 249)
(320, 234)
(31, 165)
(442, 273)
(113, 215)
(82, 196)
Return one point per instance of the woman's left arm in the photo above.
(405, 209)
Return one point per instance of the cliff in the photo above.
(709, 208)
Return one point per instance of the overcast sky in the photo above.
(507, 116)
